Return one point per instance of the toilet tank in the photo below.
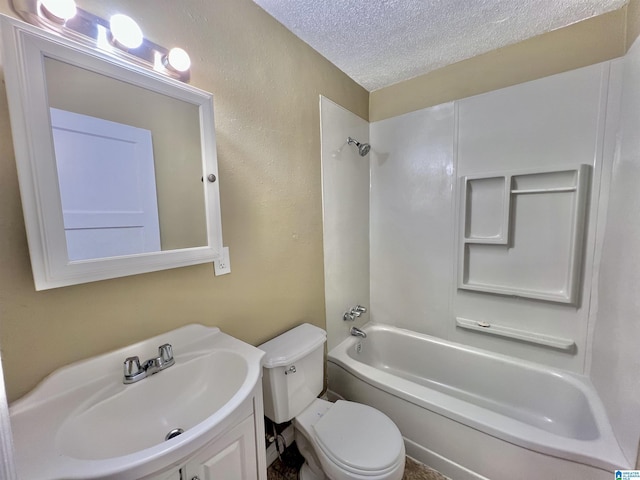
(293, 371)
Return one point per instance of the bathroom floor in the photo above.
(287, 468)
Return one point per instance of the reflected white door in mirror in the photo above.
(107, 186)
(134, 174)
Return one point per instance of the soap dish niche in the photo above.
(487, 203)
(521, 233)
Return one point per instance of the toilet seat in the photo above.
(353, 437)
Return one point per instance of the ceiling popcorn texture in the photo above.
(382, 42)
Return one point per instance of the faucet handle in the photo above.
(165, 352)
(349, 316)
(132, 367)
(354, 313)
(360, 309)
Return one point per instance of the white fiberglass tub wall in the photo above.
(473, 414)
(345, 199)
(557, 122)
(615, 362)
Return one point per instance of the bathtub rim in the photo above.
(603, 453)
(457, 450)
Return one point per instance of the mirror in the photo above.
(114, 161)
(170, 172)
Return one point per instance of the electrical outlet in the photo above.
(223, 266)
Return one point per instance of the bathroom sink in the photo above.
(84, 422)
(123, 420)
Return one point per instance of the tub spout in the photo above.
(356, 332)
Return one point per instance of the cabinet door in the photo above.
(231, 457)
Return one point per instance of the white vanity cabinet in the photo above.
(232, 456)
(236, 454)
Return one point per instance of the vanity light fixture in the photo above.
(119, 36)
(178, 60)
(58, 11)
(125, 31)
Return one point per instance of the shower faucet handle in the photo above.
(349, 317)
(354, 313)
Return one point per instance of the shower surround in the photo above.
(429, 238)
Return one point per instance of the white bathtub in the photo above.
(473, 414)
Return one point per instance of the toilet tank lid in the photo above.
(292, 345)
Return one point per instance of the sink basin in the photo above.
(83, 422)
(133, 417)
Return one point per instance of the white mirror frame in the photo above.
(24, 48)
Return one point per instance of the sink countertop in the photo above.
(53, 425)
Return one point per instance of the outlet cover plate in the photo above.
(222, 266)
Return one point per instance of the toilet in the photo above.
(339, 441)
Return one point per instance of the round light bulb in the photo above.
(125, 31)
(59, 10)
(178, 60)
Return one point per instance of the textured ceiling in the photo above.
(382, 42)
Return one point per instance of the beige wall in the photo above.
(633, 22)
(584, 43)
(266, 86)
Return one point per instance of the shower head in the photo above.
(363, 148)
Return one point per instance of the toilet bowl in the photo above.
(339, 441)
(350, 441)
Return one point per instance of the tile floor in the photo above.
(286, 468)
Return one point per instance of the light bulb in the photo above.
(125, 31)
(177, 59)
(59, 10)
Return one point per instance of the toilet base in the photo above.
(307, 474)
(311, 469)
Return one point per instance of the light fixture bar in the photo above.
(84, 27)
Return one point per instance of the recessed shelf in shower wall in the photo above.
(521, 233)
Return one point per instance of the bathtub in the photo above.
(473, 414)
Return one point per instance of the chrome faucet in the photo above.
(134, 371)
(354, 313)
(356, 332)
